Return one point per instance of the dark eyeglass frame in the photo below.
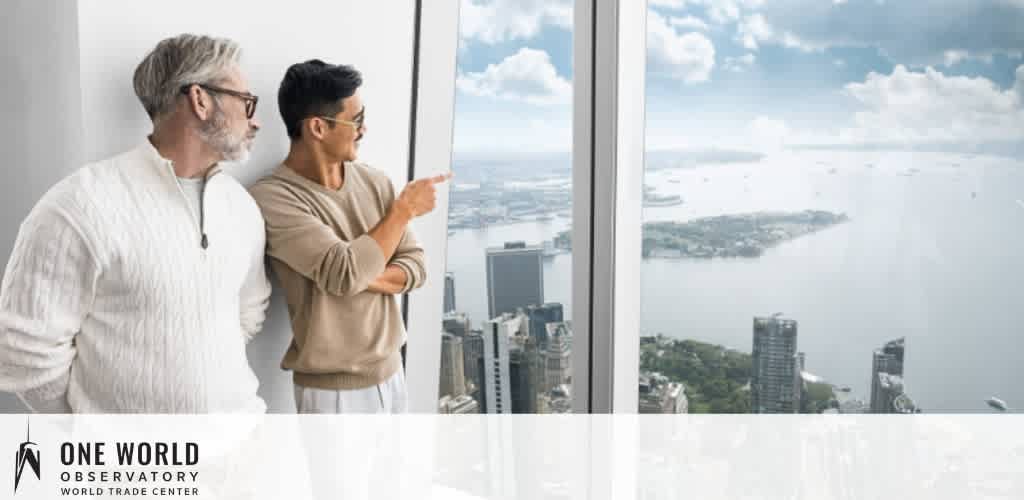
(250, 99)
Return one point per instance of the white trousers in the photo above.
(389, 396)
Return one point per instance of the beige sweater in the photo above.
(344, 337)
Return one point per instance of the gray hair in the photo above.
(178, 61)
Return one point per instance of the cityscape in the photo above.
(519, 360)
(859, 178)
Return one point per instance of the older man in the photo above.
(135, 283)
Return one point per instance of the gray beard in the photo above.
(215, 133)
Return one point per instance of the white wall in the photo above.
(40, 128)
(56, 117)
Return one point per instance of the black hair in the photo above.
(314, 88)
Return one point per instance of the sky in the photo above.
(759, 75)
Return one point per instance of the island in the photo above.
(738, 235)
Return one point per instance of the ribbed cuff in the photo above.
(369, 258)
(367, 377)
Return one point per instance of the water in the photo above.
(933, 256)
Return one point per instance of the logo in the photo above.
(27, 455)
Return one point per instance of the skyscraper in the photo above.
(540, 315)
(887, 376)
(524, 366)
(557, 356)
(515, 277)
(775, 381)
(473, 362)
(449, 293)
(455, 323)
(453, 381)
(496, 383)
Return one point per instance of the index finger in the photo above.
(441, 177)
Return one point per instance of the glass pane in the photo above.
(507, 337)
(830, 203)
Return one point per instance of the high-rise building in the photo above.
(540, 316)
(496, 383)
(889, 395)
(557, 356)
(455, 323)
(449, 293)
(557, 400)
(473, 363)
(458, 404)
(887, 360)
(524, 367)
(659, 395)
(515, 277)
(453, 373)
(775, 381)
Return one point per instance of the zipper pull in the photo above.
(205, 242)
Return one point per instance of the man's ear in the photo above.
(199, 103)
(315, 128)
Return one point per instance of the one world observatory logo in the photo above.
(27, 455)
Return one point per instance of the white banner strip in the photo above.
(512, 457)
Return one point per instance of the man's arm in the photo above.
(254, 297)
(47, 290)
(301, 240)
(297, 237)
(408, 259)
(391, 282)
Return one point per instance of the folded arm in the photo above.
(47, 291)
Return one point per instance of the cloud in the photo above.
(754, 30)
(526, 76)
(941, 32)
(928, 107)
(689, 57)
(669, 4)
(739, 64)
(688, 22)
(497, 21)
(913, 110)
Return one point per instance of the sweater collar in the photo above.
(151, 156)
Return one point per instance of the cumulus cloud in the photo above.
(739, 64)
(689, 57)
(688, 22)
(909, 109)
(929, 107)
(943, 32)
(497, 21)
(670, 4)
(754, 30)
(526, 76)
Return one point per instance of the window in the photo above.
(830, 196)
(507, 334)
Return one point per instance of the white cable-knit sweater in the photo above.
(110, 298)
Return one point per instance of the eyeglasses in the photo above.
(250, 100)
(357, 124)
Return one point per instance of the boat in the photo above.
(655, 200)
(996, 403)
